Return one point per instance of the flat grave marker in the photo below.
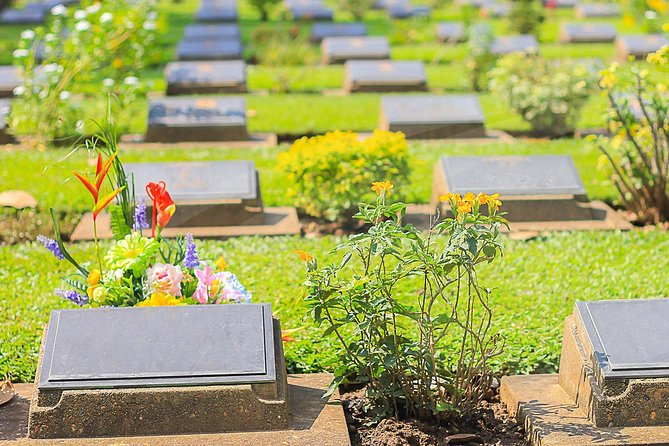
(210, 49)
(217, 11)
(197, 119)
(451, 32)
(523, 43)
(213, 31)
(320, 31)
(638, 45)
(9, 80)
(30, 14)
(341, 49)
(433, 116)
(474, 3)
(403, 9)
(205, 77)
(384, 75)
(496, 9)
(597, 10)
(587, 32)
(310, 11)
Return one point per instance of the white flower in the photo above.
(153, 15)
(650, 15)
(64, 95)
(18, 91)
(82, 26)
(58, 10)
(79, 14)
(106, 17)
(149, 26)
(131, 80)
(51, 37)
(108, 83)
(95, 7)
(28, 34)
(20, 53)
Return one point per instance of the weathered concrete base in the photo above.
(435, 131)
(272, 221)
(552, 419)
(313, 421)
(255, 140)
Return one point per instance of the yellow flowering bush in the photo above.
(327, 173)
(638, 148)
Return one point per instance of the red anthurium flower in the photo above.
(163, 205)
(101, 171)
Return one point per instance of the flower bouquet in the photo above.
(141, 268)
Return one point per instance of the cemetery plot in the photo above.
(30, 14)
(193, 119)
(84, 382)
(9, 80)
(210, 49)
(216, 199)
(451, 32)
(205, 77)
(638, 45)
(217, 11)
(309, 10)
(341, 49)
(217, 31)
(591, 10)
(433, 116)
(587, 33)
(384, 75)
(496, 9)
(322, 30)
(523, 43)
(5, 107)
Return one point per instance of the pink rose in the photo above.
(165, 279)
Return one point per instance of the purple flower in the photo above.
(73, 296)
(140, 217)
(51, 245)
(191, 260)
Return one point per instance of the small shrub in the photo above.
(526, 17)
(264, 7)
(357, 8)
(397, 294)
(480, 60)
(547, 94)
(328, 172)
(638, 151)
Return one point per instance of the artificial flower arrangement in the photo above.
(141, 268)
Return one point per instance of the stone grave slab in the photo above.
(235, 380)
(433, 116)
(310, 10)
(524, 43)
(228, 76)
(638, 46)
(341, 49)
(197, 119)
(403, 9)
(451, 32)
(384, 75)
(587, 32)
(5, 107)
(562, 3)
(30, 14)
(217, 11)
(320, 31)
(541, 188)
(210, 49)
(213, 31)
(496, 9)
(9, 80)
(597, 10)
(474, 3)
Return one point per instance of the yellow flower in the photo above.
(657, 5)
(665, 27)
(304, 256)
(159, 300)
(94, 277)
(221, 264)
(464, 207)
(117, 63)
(483, 198)
(449, 196)
(382, 187)
(97, 294)
(470, 197)
(493, 202)
(628, 20)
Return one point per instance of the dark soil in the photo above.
(490, 426)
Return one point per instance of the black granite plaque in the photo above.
(433, 116)
(628, 337)
(451, 32)
(639, 45)
(341, 49)
(227, 76)
(9, 80)
(322, 30)
(196, 181)
(384, 75)
(214, 31)
(587, 32)
(497, 9)
(217, 11)
(513, 175)
(30, 14)
(524, 43)
(590, 10)
(209, 49)
(193, 119)
(159, 346)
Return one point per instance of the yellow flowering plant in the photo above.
(637, 149)
(400, 299)
(327, 172)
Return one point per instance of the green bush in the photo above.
(329, 173)
(547, 94)
(526, 16)
(480, 59)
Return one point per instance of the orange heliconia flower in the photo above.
(101, 171)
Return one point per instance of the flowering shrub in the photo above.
(547, 94)
(327, 172)
(139, 269)
(104, 42)
(649, 13)
(638, 150)
(398, 294)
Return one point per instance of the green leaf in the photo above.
(119, 226)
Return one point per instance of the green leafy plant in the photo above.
(264, 7)
(638, 150)
(480, 59)
(397, 294)
(549, 94)
(311, 164)
(526, 16)
(357, 8)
